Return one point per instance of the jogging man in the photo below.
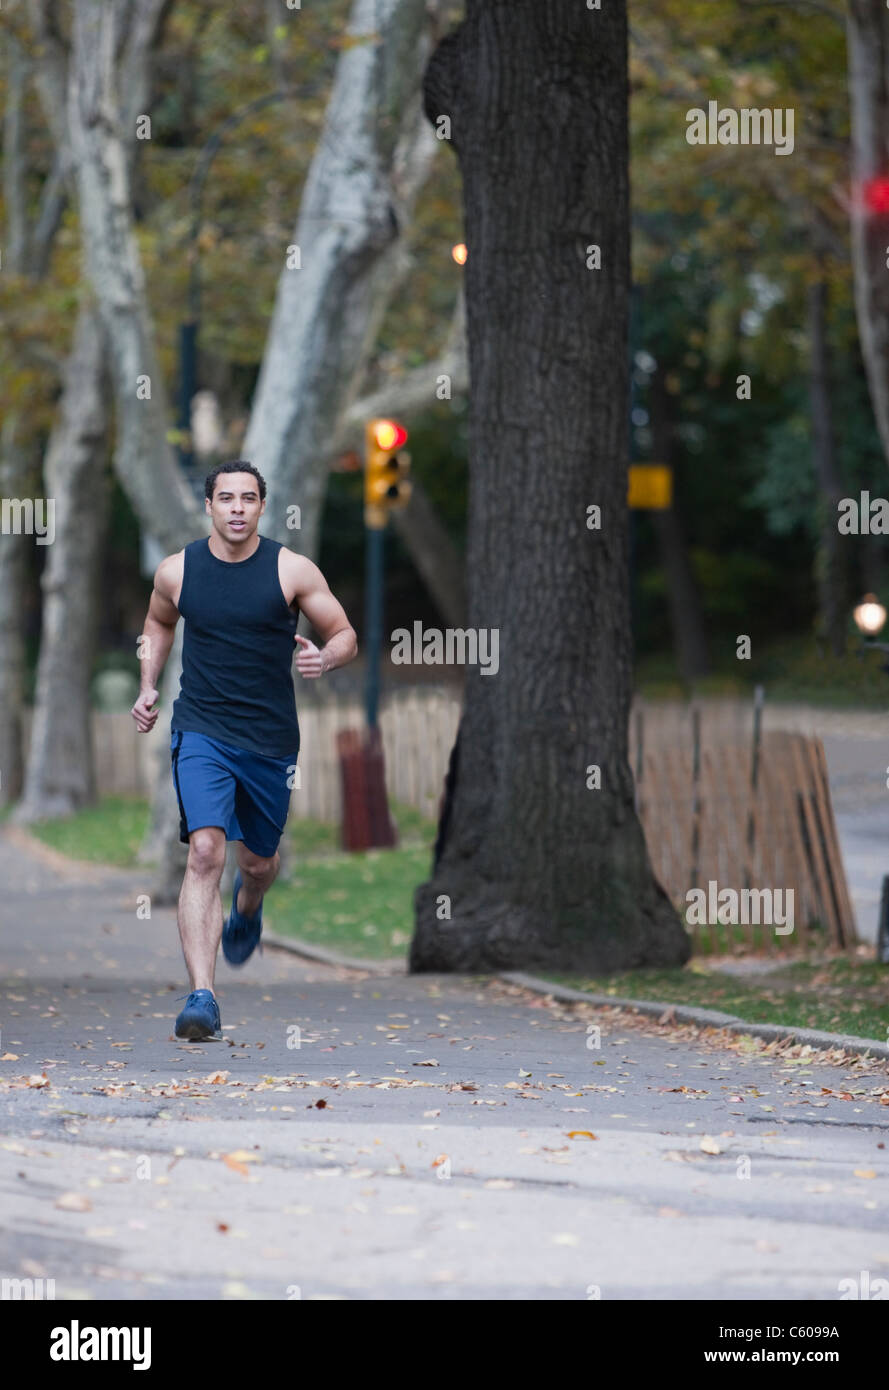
(234, 733)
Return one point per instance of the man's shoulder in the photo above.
(299, 566)
(168, 575)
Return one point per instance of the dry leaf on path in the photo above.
(74, 1201)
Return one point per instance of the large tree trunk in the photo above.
(100, 133)
(830, 560)
(60, 776)
(535, 867)
(13, 457)
(12, 645)
(686, 614)
(867, 42)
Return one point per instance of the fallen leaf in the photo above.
(581, 1134)
(14, 1056)
(865, 1173)
(709, 1145)
(35, 1081)
(74, 1201)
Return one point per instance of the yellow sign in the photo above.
(651, 486)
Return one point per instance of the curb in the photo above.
(709, 1018)
(327, 957)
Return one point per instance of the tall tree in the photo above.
(13, 458)
(60, 775)
(541, 859)
(867, 31)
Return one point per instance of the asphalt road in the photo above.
(316, 1153)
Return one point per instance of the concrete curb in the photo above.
(709, 1018)
(327, 957)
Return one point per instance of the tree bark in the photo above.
(830, 566)
(867, 44)
(686, 614)
(535, 867)
(14, 472)
(12, 646)
(374, 154)
(101, 130)
(60, 777)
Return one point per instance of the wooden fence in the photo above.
(709, 824)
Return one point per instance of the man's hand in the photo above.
(309, 663)
(145, 717)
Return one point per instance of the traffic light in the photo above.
(386, 484)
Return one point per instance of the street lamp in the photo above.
(870, 616)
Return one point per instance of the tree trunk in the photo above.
(13, 459)
(867, 44)
(686, 615)
(100, 138)
(12, 646)
(374, 154)
(830, 566)
(162, 845)
(536, 867)
(60, 776)
(437, 560)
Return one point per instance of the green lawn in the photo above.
(110, 832)
(844, 995)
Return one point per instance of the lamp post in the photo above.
(870, 618)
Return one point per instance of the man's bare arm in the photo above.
(328, 618)
(158, 632)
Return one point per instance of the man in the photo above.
(234, 732)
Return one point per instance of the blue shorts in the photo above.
(246, 794)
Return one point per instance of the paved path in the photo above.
(349, 1168)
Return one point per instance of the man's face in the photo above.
(235, 506)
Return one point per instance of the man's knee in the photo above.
(206, 851)
(255, 865)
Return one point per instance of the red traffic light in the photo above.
(389, 434)
(876, 194)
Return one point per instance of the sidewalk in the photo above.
(431, 1137)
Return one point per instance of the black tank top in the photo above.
(237, 652)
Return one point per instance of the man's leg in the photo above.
(200, 906)
(257, 876)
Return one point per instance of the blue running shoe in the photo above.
(199, 1019)
(240, 934)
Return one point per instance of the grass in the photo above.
(109, 832)
(842, 995)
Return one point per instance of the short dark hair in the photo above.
(236, 466)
